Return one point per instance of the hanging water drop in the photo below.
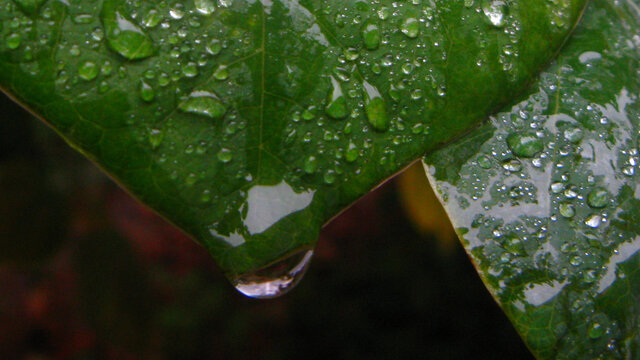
(274, 280)
(205, 104)
(337, 102)
(123, 36)
(375, 107)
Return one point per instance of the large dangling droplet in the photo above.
(276, 279)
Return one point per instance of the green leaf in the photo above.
(250, 124)
(545, 196)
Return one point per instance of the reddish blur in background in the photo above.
(86, 272)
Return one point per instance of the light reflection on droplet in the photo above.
(275, 280)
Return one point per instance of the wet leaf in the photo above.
(250, 124)
(553, 229)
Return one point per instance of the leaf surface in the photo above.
(249, 124)
(545, 196)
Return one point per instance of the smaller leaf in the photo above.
(545, 196)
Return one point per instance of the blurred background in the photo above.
(88, 273)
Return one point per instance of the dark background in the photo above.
(88, 273)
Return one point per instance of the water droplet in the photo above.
(394, 93)
(308, 114)
(330, 177)
(190, 69)
(576, 261)
(557, 187)
(566, 210)
(351, 54)
(496, 12)
(164, 79)
(342, 74)
(88, 70)
(407, 68)
(571, 192)
(375, 107)
(524, 144)
(384, 13)
(123, 36)
(352, 153)
(152, 19)
(177, 12)
(221, 73)
(484, 162)
(573, 134)
(371, 36)
(274, 280)
(214, 46)
(410, 27)
(74, 50)
(628, 170)
(191, 179)
(310, 165)
(225, 155)
(83, 19)
(146, 92)
(205, 7)
(205, 104)
(155, 138)
(596, 330)
(13, 41)
(512, 165)
(598, 198)
(593, 221)
(337, 102)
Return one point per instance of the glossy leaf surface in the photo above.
(546, 196)
(250, 124)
